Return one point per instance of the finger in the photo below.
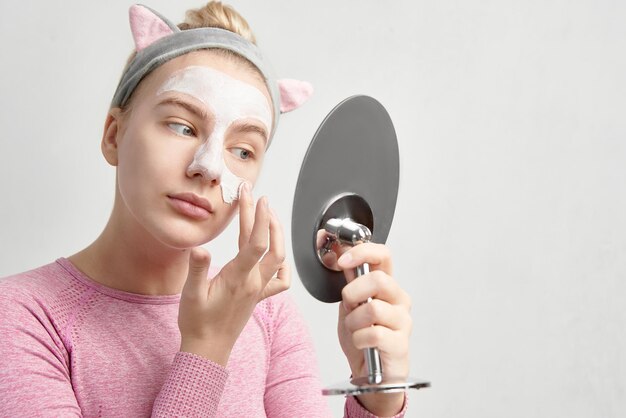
(320, 238)
(252, 252)
(246, 214)
(329, 259)
(197, 285)
(350, 274)
(276, 254)
(384, 339)
(377, 256)
(278, 284)
(379, 312)
(376, 284)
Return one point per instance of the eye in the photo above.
(181, 129)
(242, 153)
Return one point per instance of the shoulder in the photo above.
(43, 297)
(40, 284)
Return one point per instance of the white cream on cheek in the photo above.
(229, 100)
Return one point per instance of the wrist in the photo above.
(382, 404)
(217, 353)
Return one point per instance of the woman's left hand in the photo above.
(384, 323)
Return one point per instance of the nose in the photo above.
(208, 163)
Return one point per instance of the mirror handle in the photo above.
(372, 356)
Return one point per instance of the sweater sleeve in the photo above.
(193, 388)
(34, 365)
(293, 386)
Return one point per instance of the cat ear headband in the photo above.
(157, 40)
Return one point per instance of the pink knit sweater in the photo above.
(70, 346)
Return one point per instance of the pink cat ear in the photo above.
(293, 94)
(147, 27)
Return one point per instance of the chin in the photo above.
(185, 236)
(181, 233)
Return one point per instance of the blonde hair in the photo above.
(217, 15)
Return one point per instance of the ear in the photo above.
(293, 94)
(147, 26)
(109, 136)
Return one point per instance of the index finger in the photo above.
(377, 256)
(246, 214)
(255, 248)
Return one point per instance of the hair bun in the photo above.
(217, 15)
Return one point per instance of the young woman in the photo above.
(137, 323)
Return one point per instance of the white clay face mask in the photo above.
(229, 100)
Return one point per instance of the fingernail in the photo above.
(345, 259)
(265, 202)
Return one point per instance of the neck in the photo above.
(126, 257)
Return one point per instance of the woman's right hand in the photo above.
(212, 313)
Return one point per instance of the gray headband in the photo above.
(183, 41)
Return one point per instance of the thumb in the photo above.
(197, 284)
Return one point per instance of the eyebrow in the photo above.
(190, 107)
(250, 127)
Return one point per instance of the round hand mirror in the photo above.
(346, 195)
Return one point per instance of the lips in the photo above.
(191, 204)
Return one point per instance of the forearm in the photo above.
(383, 404)
(355, 409)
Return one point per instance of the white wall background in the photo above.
(510, 233)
